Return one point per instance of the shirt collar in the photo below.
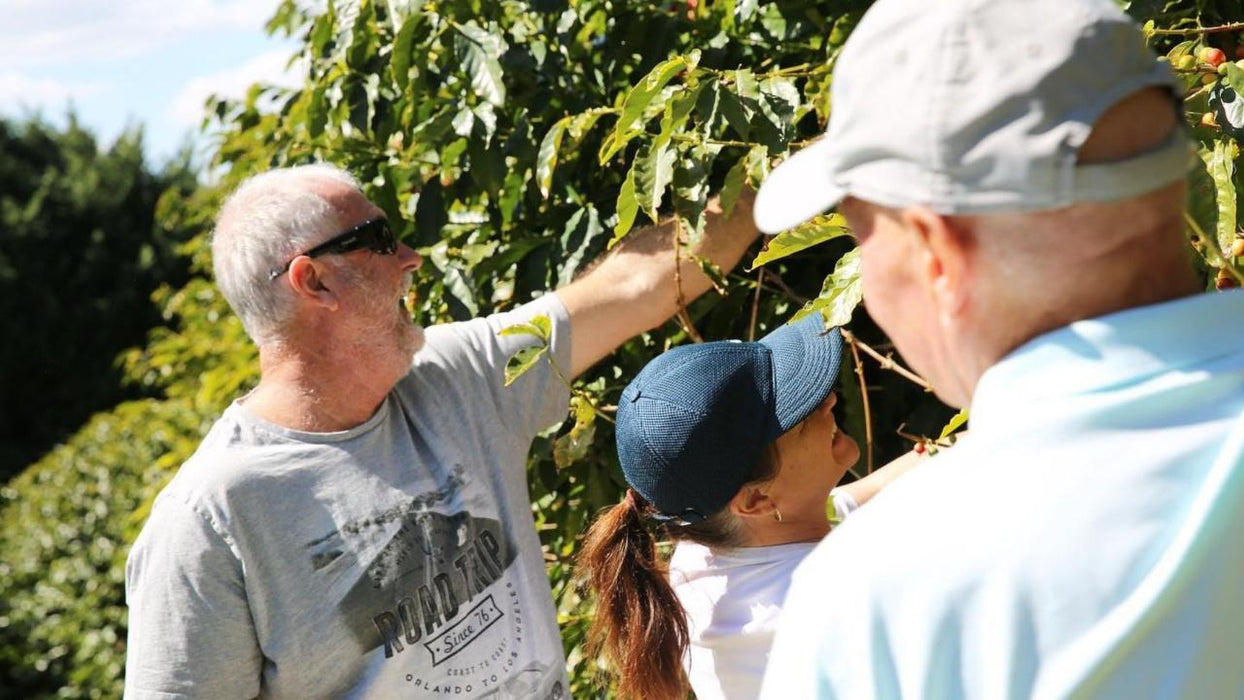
(1110, 351)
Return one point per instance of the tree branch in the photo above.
(886, 361)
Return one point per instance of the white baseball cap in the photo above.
(973, 107)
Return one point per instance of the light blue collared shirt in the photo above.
(1096, 545)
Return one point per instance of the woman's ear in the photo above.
(308, 281)
(752, 501)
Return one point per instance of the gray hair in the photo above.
(267, 220)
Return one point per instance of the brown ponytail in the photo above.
(639, 624)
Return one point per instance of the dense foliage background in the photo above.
(80, 254)
(515, 140)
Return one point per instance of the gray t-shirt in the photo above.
(395, 559)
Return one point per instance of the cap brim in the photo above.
(806, 359)
(797, 190)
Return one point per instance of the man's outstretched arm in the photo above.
(633, 288)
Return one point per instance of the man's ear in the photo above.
(945, 249)
(307, 279)
(752, 501)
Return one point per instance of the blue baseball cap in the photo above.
(694, 423)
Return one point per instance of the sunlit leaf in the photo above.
(403, 48)
(538, 327)
(956, 421)
(628, 207)
(546, 161)
(736, 177)
(654, 169)
(522, 362)
(842, 292)
(575, 444)
(481, 53)
(816, 230)
(1221, 167)
(640, 98)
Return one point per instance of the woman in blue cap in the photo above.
(731, 449)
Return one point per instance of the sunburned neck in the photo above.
(315, 391)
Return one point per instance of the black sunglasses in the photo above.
(374, 234)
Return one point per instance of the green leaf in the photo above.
(546, 160)
(628, 207)
(459, 289)
(817, 230)
(956, 421)
(522, 361)
(317, 114)
(486, 119)
(640, 98)
(691, 188)
(716, 276)
(507, 257)
(840, 294)
(403, 49)
(579, 240)
(736, 177)
(1234, 78)
(575, 126)
(758, 164)
(1221, 167)
(464, 121)
(655, 165)
(574, 445)
(545, 326)
(585, 121)
(736, 113)
(401, 11)
(654, 169)
(538, 327)
(481, 52)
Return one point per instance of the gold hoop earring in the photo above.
(777, 514)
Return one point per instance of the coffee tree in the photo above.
(512, 143)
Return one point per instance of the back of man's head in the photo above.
(268, 219)
(1043, 134)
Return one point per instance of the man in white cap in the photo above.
(1015, 177)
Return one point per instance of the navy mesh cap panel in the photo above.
(692, 425)
(806, 359)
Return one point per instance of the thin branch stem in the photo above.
(859, 373)
(919, 439)
(684, 319)
(886, 361)
(1233, 27)
(691, 138)
(785, 289)
(751, 327)
(1220, 256)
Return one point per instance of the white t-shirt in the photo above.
(394, 559)
(732, 598)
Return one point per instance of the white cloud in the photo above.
(268, 68)
(41, 33)
(21, 92)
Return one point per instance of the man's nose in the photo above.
(411, 260)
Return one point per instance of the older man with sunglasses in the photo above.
(358, 524)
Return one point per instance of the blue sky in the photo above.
(120, 62)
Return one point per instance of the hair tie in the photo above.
(632, 500)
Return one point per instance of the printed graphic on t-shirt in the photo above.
(441, 590)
